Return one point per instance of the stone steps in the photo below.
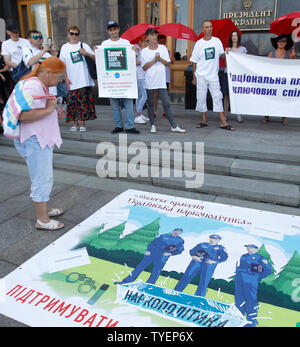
(286, 172)
(230, 177)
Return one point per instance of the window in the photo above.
(153, 12)
(35, 15)
(181, 15)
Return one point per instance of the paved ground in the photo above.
(81, 195)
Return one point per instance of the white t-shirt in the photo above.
(206, 55)
(155, 76)
(32, 51)
(140, 73)
(14, 49)
(120, 42)
(77, 69)
(28, 53)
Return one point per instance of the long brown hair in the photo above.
(52, 64)
(230, 43)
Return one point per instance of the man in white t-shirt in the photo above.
(12, 49)
(113, 30)
(36, 53)
(155, 58)
(205, 59)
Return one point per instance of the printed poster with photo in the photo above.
(151, 260)
(116, 70)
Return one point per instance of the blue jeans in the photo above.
(129, 115)
(39, 162)
(140, 102)
(163, 95)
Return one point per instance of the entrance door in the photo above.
(35, 15)
(171, 11)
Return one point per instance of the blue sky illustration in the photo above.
(142, 216)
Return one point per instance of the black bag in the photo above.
(256, 268)
(91, 66)
(20, 71)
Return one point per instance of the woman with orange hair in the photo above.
(38, 133)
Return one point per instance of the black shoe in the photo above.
(117, 130)
(1, 130)
(132, 131)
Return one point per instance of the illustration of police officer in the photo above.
(252, 269)
(206, 256)
(158, 252)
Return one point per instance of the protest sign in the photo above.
(263, 86)
(214, 265)
(116, 70)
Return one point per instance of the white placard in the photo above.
(116, 70)
(263, 86)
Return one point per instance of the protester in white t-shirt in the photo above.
(12, 49)
(142, 94)
(113, 30)
(205, 59)
(36, 53)
(154, 59)
(234, 45)
(162, 40)
(80, 102)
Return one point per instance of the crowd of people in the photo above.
(34, 75)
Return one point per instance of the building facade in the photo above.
(52, 17)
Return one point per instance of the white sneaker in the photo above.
(73, 129)
(153, 129)
(146, 119)
(139, 120)
(239, 118)
(82, 129)
(177, 129)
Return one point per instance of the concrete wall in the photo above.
(9, 12)
(90, 16)
(257, 42)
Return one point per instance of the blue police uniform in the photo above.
(253, 268)
(165, 243)
(216, 253)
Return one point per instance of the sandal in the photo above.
(52, 225)
(227, 127)
(55, 212)
(202, 125)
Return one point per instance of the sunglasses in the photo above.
(37, 37)
(73, 34)
(282, 41)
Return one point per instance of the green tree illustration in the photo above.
(287, 275)
(138, 240)
(263, 252)
(108, 239)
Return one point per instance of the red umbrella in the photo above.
(178, 30)
(222, 28)
(134, 33)
(285, 24)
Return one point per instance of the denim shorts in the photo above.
(39, 162)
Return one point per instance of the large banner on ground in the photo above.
(116, 71)
(263, 86)
(151, 260)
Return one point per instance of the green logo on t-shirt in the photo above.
(210, 53)
(76, 57)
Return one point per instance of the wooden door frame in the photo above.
(28, 3)
(167, 16)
